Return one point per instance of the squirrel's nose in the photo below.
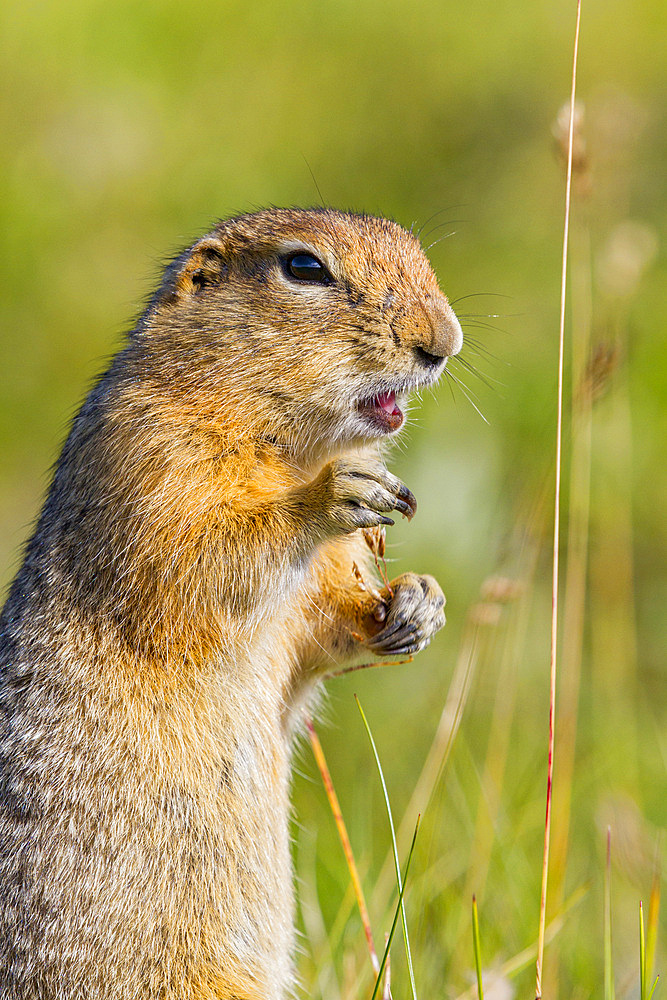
(447, 335)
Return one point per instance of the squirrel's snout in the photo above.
(430, 327)
(447, 335)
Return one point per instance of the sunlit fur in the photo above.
(181, 595)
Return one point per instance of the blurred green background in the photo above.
(128, 128)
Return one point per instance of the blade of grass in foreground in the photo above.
(643, 963)
(556, 537)
(477, 949)
(642, 954)
(399, 905)
(406, 938)
(513, 966)
(344, 838)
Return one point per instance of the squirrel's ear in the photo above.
(203, 267)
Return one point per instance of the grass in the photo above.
(477, 949)
(399, 882)
(555, 578)
(591, 369)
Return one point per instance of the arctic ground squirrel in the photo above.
(197, 568)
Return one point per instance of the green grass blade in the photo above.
(404, 921)
(642, 954)
(520, 962)
(477, 949)
(399, 910)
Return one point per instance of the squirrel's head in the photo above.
(313, 325)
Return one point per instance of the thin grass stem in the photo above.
(575, 597)
(513, 966)
(406, 937)
(477, 948)
(642, 954)
(554, 591)
(646, 952)
(344, 839)
(399, 905)
(367, 666)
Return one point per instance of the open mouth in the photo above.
(382, 411)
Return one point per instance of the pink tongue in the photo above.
(387, 402)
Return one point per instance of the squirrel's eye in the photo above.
(305, 267)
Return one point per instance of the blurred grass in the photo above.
(127, 128)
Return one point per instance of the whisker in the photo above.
(439, 240)
(480, 325)
(466, 393)
(489, 315)
(474, 341)
(451, 388)
(473, 371)
(459, 380)
(473, 347)
(434, 216)
(442, 225)
(431, 391)
(474, 295)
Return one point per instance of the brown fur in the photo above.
(190, 578)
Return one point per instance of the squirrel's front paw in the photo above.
(360, 495)
(414, 615)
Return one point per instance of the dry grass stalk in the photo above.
(376, 541)
(367, 666)
(344, 839)
(573, 116)
(590, 372)
(554, 593)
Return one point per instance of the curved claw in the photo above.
(405, 508)
(409, 500)
(387, 633)
(398, 638)
(412, 648)
(415, 614)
